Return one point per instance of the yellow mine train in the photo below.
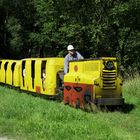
(94, 81)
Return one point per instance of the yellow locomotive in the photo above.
(88, 81)
(93, 81)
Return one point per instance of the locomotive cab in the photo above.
(93, 81)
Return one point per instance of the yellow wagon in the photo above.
(9, 72)
(40, 75)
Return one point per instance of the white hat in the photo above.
(70, 47)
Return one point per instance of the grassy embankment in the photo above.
(24, 117)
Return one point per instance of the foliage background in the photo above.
(32, 28)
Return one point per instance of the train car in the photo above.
(91, 81)
(94, 81)
(9, 72)
(40, 75)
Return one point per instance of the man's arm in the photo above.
(79, 56)
(66, 64)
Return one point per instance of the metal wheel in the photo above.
(77, 103)
(67, 101)
(93, 107)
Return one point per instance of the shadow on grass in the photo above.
(127, 108)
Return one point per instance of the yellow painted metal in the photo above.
(84, 72)
(2, 71)
(16, 74)
(36, 83)
(109, 92)
(107, 83)
(9, 72)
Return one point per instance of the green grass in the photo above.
(24, 117)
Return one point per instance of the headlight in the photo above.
(109, 65)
